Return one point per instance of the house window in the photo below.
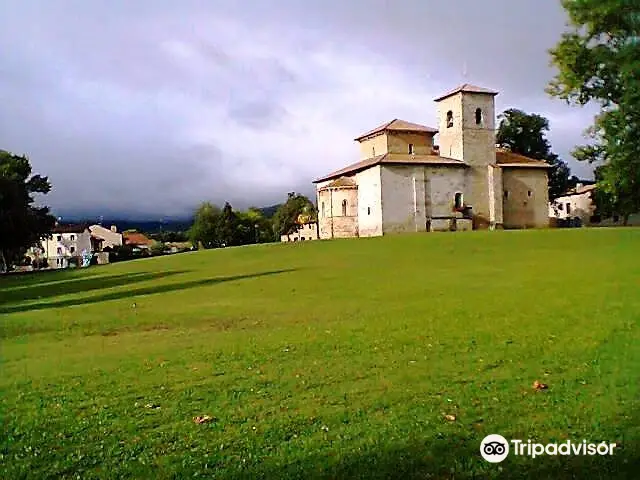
(506, 194)
(73, 237)
(302, 238)
(368, 210)
(459, 201)
(560, 207)
(478, 116)
(72, 249)
(323, 213)
(449, 119)
(59, 238)
(344, 208)
(59, 250)
(568, 208)
(529, 193)
(373, 151)
(411, 151)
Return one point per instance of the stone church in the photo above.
(404, 182)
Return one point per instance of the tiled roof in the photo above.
(580, 190)
(135, 238)
(397, 125)
(393, 159)
(342, 182)
(467, 88)
(505, 158)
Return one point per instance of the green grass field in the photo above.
(331, 359)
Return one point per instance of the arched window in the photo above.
(344, 208)
(449, 119)
(478, 116)
(459, 201)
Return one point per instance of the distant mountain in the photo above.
(151, 226)
(269, 212)
(146, 226)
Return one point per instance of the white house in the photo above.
(305, 231)
(105, 237)
(576, 203)
(66, 242)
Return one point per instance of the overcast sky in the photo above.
(151, 106)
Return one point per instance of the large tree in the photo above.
(525, 133)
(205, 230)
(22, 223)
(285, 221)
(598, 60)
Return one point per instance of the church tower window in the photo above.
(344, 208)
(478, 116)
(449, 119)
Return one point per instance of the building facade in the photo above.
(304, 232)
(105, 237)
(404, 182)
(65, 246)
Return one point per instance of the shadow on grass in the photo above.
(76, 285)
(172, 287)
(455, 459)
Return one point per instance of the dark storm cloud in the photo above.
(153, 106)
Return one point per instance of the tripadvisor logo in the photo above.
(495, 448)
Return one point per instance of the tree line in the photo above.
(215, 227)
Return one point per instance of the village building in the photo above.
(65, 246)
(304, 232)
(404, 182)
(105, 237)
(577, 208)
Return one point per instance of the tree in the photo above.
(228, 226)
(598, 60)
(205, 228)
(525, 133)
(253, 227)
(285, 221)
(22, 223)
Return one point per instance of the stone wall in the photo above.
(399, 142)
(374, 146)
(416, 198)
(333, 221)
(525, 197)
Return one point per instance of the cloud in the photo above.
(153, 106)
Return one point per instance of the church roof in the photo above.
(393, 159)
(466, 88)
(342, 182)
(505, 158)
(397, 125)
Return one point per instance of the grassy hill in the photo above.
(337, 359)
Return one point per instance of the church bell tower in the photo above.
(466, 125)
